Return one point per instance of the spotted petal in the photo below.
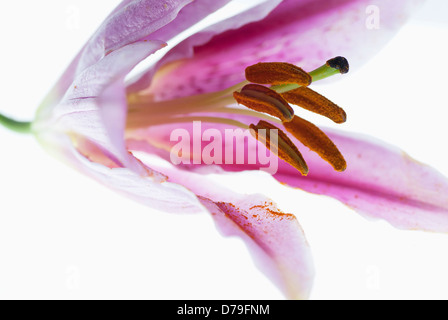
(381, 182)
(185, 50)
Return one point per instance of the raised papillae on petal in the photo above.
(284, 148)
(277, 73)
(263, 99)
(314, 102)
(315, 139)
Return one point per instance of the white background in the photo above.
(64, 236)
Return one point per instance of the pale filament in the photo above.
(144, 123)
(144, 111)
(142, 101)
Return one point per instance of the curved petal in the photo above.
(95, 106)
(151, 190)
(275, 239)
(185, 49)
(381, 181)
(302, 32)
(132, 21)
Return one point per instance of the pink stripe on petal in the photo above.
(302, 32)
(381, 181)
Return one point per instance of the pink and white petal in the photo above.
(96, 107)
(185, 49)
(275, 239)
(152, 190)
(132, 21)
(303, 32)
(381, 181)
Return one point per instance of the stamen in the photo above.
(314, 102)
(263, 99)
(277, 73)
(285, 149)
(315, 139)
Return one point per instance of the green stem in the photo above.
(323, 73)
(16, 126)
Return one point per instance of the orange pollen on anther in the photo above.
(311, 100)
(315, 139)
(263, 99)
(277, 73)
(284, 149)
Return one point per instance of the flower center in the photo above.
(270, 105)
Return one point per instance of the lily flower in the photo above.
(96, 117)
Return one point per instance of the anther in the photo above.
(277, 73)
(311, 100)
(315, 139)
(285, 150)
(263, 99)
